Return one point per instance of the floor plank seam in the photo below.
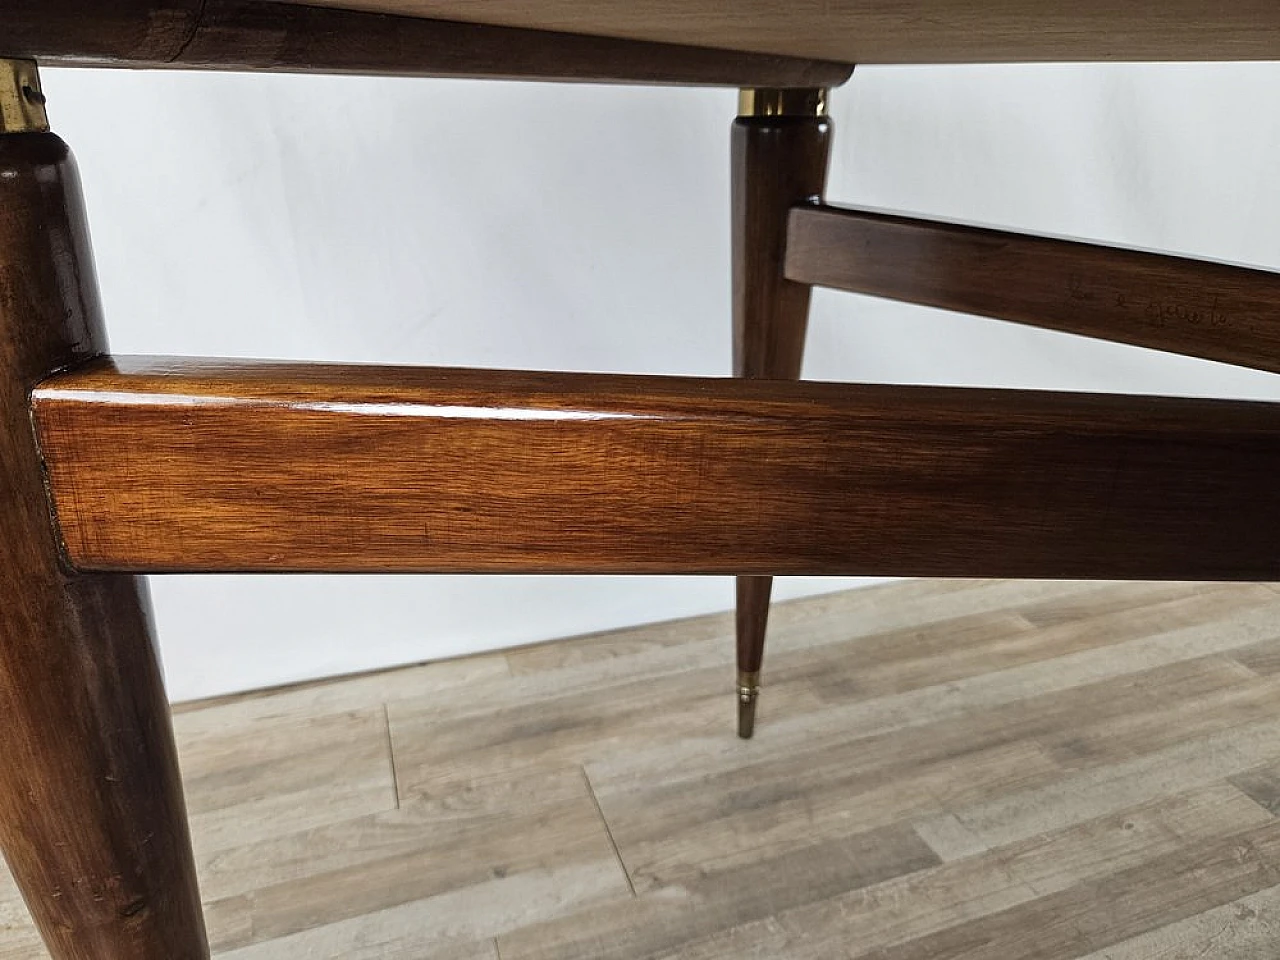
(609, 832)
(391, 755)
(1261, 804)
(1242, 782)
(1253, 672)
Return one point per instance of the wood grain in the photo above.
(172, 465)
(91, 809)
(406, 865)
(901, 31)
(253, 35)
(1263, 785)
(776, 163)
(1195, 307)
(153, 32)
(1136, 900)
(116, 31)
(1244, 929)
(924, 903)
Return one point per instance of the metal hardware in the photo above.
(21, 102)
(772, 102)
(748, 694)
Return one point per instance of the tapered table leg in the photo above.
(91, 811)
(781, 148)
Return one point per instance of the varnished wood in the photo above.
(752, 596)
(1056, 766)
(258, 35)
(173, 465)
(777, 162)
(1195, 307)
(901, 31)
(91, 811)
(106, 32)
(153, 32)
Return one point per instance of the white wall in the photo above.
(584, 228)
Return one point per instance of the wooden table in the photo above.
(111, 467)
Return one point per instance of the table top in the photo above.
(742, 43)
(897, 31)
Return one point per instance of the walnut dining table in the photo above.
(112, 467)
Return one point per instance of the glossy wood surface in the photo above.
(752, 598)
(91, 812)
(254, 35)
(1194, 307)
(902, 31)
(172, 465)
(777, 162)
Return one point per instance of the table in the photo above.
(112, 467)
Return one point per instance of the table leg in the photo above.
(781, 150)
(92, 821)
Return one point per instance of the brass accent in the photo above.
(21, 102)
(775, 102)
(748, 694)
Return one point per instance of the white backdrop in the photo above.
(584, 228)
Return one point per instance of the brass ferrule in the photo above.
(748, 684)
(773, 102)
(21, 102)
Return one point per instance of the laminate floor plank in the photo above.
(338, 695)
(267, 776)
(1262, 658)
(943, 652)
(670, 829)
(596, 662)
(422, 823)
(1181, 717)
(1111, 649)
(1102, 790)
(1244, 929)
(759, 822)
(812, 621)
(424, 852)
(1107, 599)
(1090, 916)
(659, 921)
(951, 770)
(958, 891)
(18, 937)
(1262, 784)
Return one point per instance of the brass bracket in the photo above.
(21, 102)
(771, 102)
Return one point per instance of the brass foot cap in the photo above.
(748, 694)
(747, 715)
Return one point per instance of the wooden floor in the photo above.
(978, 770)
